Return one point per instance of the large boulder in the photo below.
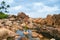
(12, 17)
(50, 32)
(34, 34)
(5, 33)
(22, 15)
(49, 20)
(8, 23)
(56, 19)
(39, 21)
(40, 36)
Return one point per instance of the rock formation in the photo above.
(49, 26)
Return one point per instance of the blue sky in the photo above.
(34, 8)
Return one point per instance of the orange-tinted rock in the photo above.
(56, 18)
(49, 20)
(26, 33)
(22, 15)
(4, 33)
(25, 19)
(12, 19)
(12, 16)
(40, 36)
(39, 21)
(34, 34)
(23, 38)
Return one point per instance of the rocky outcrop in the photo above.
(56, 19)
(22, 15)
(50, 32)
(9, 26)
(49, 26)
(49, 20)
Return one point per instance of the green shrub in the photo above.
(25, 28)
(3, 15)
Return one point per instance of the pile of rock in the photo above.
(14, 23)
(9, 26)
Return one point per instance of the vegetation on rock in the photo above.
(2, 15)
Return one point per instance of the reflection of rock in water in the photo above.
(22, 36)
(20, 33)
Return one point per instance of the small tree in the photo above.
(3, 7)
(3, 10)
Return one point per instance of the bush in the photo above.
(2, 15)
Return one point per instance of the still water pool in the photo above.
(20, 32)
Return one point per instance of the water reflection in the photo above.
(21, 33)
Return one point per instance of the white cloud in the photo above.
(37, 4)
(16, 8)
(41, 10)
(37, 9)
(47, 9)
